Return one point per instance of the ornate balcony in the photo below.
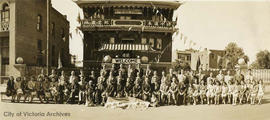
(128, 25)
(4, 26)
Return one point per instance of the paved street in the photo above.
(79, 112)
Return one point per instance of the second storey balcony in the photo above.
(128, 25)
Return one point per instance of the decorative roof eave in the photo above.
(127, 47)
(129, 3)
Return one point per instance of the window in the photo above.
(188, 57)
(4, 45)
(5, 13)
(39, 56)
(39, 22)
(39, 46)
(159, 43)
(53, 30)
(53, 55)
(152, 42)
(144, 41)
(212, 56)
(63, 33)
(112, 40)
(179, 56)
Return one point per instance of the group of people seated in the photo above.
(174, 88)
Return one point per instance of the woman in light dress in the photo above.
(224, 92)
(210, 92)
(260, 91)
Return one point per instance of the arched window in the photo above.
(5, 13)
(39, 22)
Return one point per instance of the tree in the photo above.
(262, 60)
(233, 54)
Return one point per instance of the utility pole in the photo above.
(48, 35)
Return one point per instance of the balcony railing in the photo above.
(4, 26)
(135, 23)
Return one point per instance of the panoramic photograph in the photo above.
(134, 59)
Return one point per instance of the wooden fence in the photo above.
(261, 74)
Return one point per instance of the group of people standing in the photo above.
(174, 88)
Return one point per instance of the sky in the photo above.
(208, 24)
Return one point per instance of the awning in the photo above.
(124, 47)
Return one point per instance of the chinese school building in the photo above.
(23, 35)
(128, 32)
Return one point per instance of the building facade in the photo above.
(207, 59)
(23, 34)
(183, 55)
(127, 31)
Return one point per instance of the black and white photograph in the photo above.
(134, 59)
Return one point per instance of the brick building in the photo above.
(23, 33)
(128, 32)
